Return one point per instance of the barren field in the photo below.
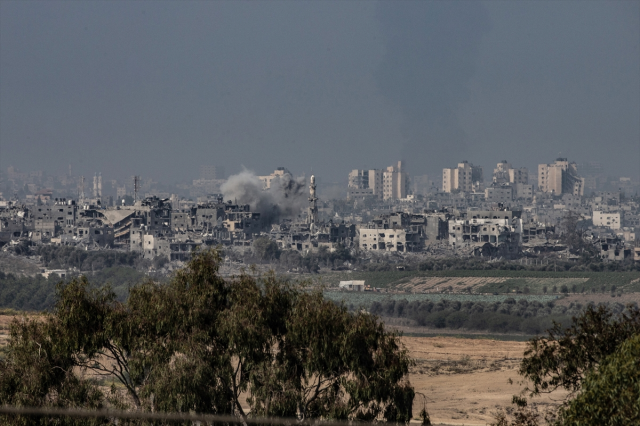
(465, 381)
(461, 284)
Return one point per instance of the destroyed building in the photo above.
(402, 232)
(486, 236)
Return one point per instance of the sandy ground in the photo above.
(465, 381)
(461, 284)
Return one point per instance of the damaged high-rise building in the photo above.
(560, 177)
(391, 183)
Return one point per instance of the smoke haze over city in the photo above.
(156, 88)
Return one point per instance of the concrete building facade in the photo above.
(391, 183)
(394, 182)
(561, 177)
(461, 178)
(277, 174)
(606, 219)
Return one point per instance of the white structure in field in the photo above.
(352, 285)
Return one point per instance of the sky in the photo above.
(159, 88)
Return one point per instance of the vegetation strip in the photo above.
(176, 417)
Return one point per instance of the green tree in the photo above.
(565, 356)
(265, 249)
(596, 359)
(573, 228)
(37, 371)
(334, 364)
(198, 342)
(609, 395)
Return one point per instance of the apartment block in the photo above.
(461, 178)
(561, 177)
(389, 184)
(606, 219)
(278, 173)
(499, 194)
(394, 182)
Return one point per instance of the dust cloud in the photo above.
(286, 198)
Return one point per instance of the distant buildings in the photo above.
(606, 219)
(593, 173)
(507, 218)
(560, 177)
(505, 173)
(277, 174)
(394, 182)
(509, 184)
(365, 183)
(461, 178)
(210, 172)
(403, 232)
(391, 183)
(209, 182)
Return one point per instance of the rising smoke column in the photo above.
(431, 51)
(284, 200)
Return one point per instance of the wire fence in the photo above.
(163, 417)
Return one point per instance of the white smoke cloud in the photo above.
(285, 199)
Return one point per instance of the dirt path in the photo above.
(465, 381)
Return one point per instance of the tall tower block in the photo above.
(312, 217)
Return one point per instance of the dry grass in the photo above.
(465, 381)
(461, 284)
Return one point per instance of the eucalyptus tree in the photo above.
(200, 342)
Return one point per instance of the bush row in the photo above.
(38, 293)
(502, 317)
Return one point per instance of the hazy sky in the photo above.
(158, 88)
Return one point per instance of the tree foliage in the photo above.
(265, 249)
(199, 342)
(610, 395)
(597, 360)
(510, 315)
(574, 229)
(564, 357)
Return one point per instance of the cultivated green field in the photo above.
(489, 281)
